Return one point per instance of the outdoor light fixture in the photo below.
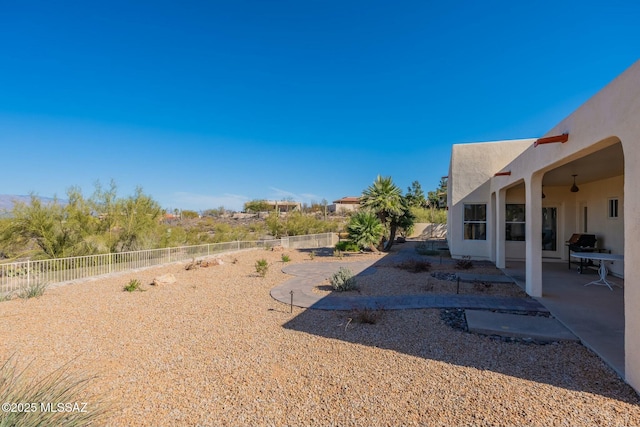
(574, 187)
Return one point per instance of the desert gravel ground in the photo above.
(214, 349)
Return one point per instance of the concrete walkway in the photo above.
(308, 275)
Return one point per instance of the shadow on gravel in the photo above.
(568, 365)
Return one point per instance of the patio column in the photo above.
(533, 230)
(500, 229)
(632, 258)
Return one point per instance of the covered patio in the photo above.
(517, 202)
(593, 313)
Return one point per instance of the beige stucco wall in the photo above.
(470, 171)
(609, 117)
(610, 232)
(428, 230)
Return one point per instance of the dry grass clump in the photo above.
(58, 399)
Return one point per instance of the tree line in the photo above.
(108, 223)
(102, 223)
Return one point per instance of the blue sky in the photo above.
(210, 103)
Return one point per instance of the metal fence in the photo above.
(17, 275)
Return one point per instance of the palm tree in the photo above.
(385, 199)
(365, 229)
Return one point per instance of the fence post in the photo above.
(28, 273)
(169, 254)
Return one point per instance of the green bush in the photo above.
(285, 258)
(262, 266)
(133, 285)
(32, 290)
(347, 246)
(343, 280)
(298, 223)
(365, 229)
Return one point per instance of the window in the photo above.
(475, 222)
(514, 223)
(613, 208)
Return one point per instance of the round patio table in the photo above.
(602, 269)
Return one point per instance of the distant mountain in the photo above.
(7, 200)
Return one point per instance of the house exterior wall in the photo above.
(471, 169)
(347, 207)
(609, 231)
(610, 117)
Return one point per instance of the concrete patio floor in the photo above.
(595, 314)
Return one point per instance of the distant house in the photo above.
(283, 205)
(345, 205)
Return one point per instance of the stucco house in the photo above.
(345, 205)
(523, 199)
(283, 205)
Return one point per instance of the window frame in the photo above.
(508, 222)
(613, 207)
(477, 227)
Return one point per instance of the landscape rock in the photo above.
(277, 248)
(165, 279)
(211, 263)
(193, 265)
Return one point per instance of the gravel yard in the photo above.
(215, 349)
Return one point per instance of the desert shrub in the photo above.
(481, 286)
(285, 258)
(365, 229)
(367, 315)
(464, 263)
(133, 285)
(298, 223)
(415, 266)
(6, 296)
(343, 280)
(57, 387)
(312, 255)
(347, 246)
(262, 266)
(32, 290)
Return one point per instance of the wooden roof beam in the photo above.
(551, 139)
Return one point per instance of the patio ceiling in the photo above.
(606, 163)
